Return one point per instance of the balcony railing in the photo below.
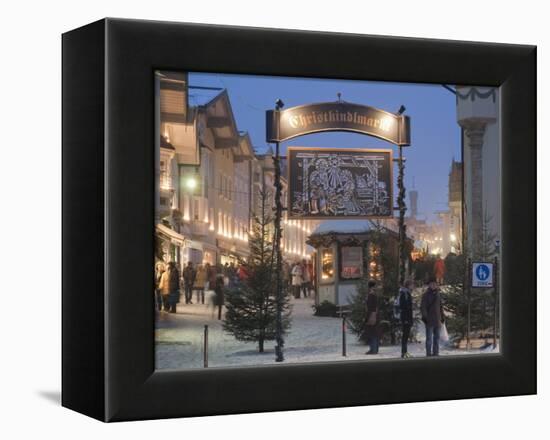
(199, 228)
(166, 182)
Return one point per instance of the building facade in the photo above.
(209, 180)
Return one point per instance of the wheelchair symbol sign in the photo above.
(482, 274)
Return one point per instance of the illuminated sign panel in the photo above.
(326, 183)
(337, 116)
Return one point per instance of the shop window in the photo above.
(375, 264)
(352, 262)
(327, 265)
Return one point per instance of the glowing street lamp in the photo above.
(191, 183)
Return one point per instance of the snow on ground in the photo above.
(180, 337)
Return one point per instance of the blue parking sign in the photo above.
(482, 274)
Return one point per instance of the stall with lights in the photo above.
(346, 252)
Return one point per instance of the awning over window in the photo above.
(175, 237)
(193, 245)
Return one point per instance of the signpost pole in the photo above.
(469, 265)
(344, 352)
(495, 312)
(205, 348)
(402, 209)
(279, 357)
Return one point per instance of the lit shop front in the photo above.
(346, 251)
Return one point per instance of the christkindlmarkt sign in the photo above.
(336, 183)
(337, 116)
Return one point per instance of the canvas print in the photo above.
(302, 220)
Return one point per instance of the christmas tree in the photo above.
(455, 299)
(251, 307)
(457, 296)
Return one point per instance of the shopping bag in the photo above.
(443, 334)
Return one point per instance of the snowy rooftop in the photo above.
(342, 226)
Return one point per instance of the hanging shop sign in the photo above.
(325, 183)
(337, 116)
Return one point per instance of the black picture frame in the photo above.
(108, 207)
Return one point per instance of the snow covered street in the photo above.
(180, 337)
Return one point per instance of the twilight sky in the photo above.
(434, 131)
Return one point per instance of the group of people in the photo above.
(169, 284)
(298, 278)
(198, 279)
(432, 315)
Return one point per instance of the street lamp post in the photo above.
(279, 357)
(402, 209)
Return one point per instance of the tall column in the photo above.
(475, 132)
(477, 108)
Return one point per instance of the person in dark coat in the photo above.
(431, 307)
(219, 299)
(212, 272)
(371, 324)
(406, 315)
(189, 274)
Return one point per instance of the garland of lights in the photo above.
(475, 93)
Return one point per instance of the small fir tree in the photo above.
(251, 307)
(482, 311)
(358, 310)
(455, 301)
(455, 294)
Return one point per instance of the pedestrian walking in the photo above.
(311, 275)
(296, 273)
(225, 269)
(212, 274)
(189, 274)
(371, 324)
(406, 315)
(306, 279)
(219, 299)
(433, 317)
(439, 270)
(200, 282)
(243, 273)
(169, 286)
(286, 276)
(159, 270)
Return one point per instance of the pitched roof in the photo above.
(202, 98)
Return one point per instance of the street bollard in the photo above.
(344, 336)
(205, 348)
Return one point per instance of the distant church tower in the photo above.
(413, 197)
